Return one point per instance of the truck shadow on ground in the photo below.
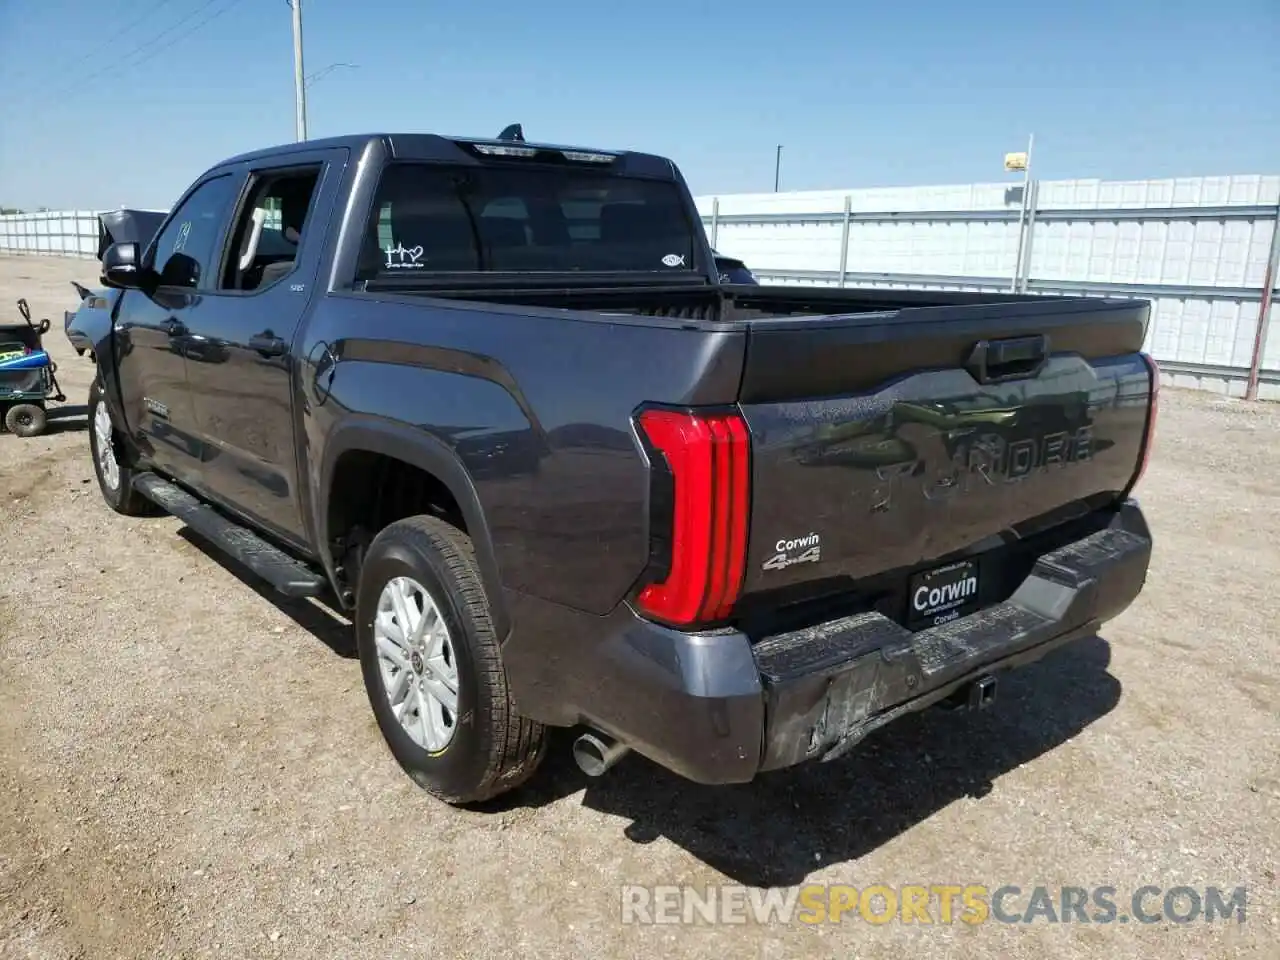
(66, 417)
(777, 831)
(324, 622)
(781, 828)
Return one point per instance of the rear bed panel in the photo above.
(933, 463)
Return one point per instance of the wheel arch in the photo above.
(102, 346)
(420, 450)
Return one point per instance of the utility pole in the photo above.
(299, 86)
(777, 167)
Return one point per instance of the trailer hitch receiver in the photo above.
(982, 693)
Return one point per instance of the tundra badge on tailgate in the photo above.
(806, 549)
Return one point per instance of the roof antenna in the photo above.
(513, 132)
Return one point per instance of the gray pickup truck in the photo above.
(495, 400)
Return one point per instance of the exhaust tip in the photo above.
(595, 753)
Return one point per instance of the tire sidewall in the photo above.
(37, 424)
(113, 497)
(458, 769)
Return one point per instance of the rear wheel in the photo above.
(26, 420)
(110, 462)
(433, 668)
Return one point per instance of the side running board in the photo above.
(286, 574)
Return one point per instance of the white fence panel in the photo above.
(1197, 247)
(64, 233)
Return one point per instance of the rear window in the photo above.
(430, 218)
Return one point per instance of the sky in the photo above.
(113, 103)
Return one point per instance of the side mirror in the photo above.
(121, 267)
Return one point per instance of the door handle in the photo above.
(175, 328)
(993, 361)
(267, 345)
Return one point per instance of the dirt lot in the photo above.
(189, 768)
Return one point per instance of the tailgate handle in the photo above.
(1015, 358)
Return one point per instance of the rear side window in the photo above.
(438, 219)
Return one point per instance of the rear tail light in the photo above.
(699, 514)
(1149, 436)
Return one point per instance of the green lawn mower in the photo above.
(27, 381)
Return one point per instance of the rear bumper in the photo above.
(828, 688)
(715, 708)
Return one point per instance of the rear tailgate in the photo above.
(892, 451)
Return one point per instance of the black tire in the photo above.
(122, 498)
(26, 420)
(493, 749)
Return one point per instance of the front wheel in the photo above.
(113, 469)
(433, 668)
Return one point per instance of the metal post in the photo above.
(715, 219)
(1025, 262)
(1264, 310)
(1022, 214)
(844, 239)
(299, 87)
(777, 168)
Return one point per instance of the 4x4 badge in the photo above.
(788, 553)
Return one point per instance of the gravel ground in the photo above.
(189, 768)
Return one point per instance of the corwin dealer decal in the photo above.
(944, 592)
(806, 549)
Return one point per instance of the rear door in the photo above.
(152, 329)
(240, 360)
(892, 452)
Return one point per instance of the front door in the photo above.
(239, 351)
(152, 328)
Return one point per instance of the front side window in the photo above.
(270, 228)
(433, 218)
(186, 251)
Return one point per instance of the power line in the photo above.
(131, 58)
(186, 33)
(102, 48)
(146, 15)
